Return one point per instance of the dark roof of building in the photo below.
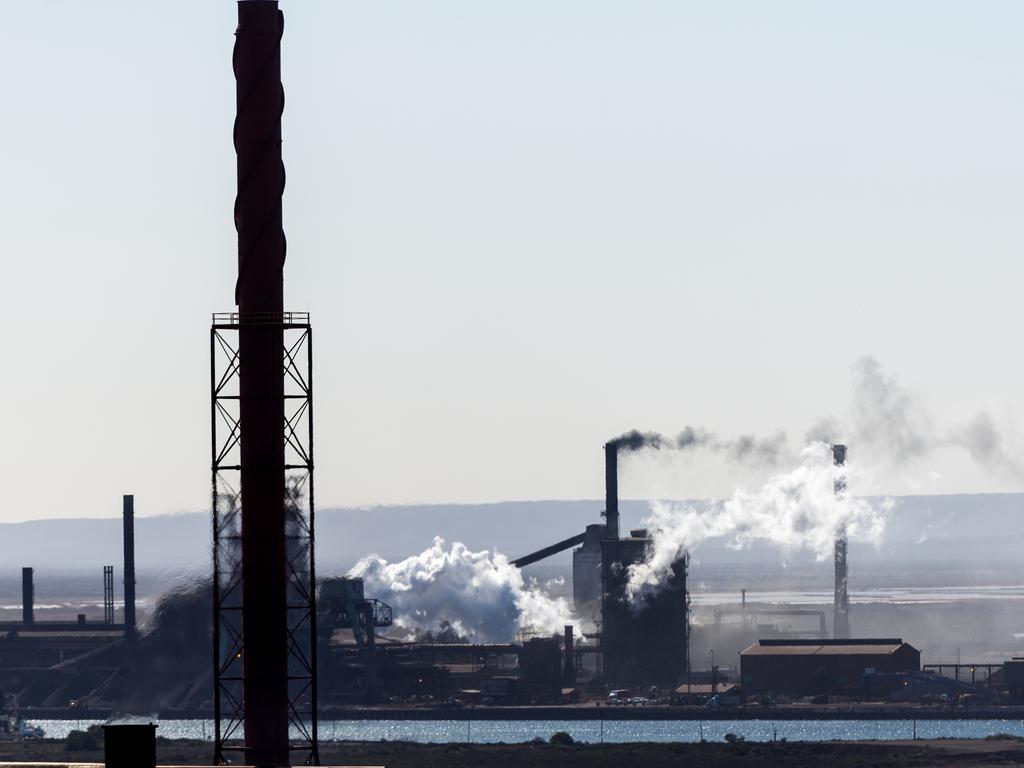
(809, 647)
(705, 689)
(818, 641)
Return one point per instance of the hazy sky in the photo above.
(521, 228)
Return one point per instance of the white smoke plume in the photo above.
(794, 510)
(483, 595)
(799, 509)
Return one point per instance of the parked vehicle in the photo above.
(15, 728)
(722, 700)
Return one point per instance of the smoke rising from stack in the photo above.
(794, 510)
(481, 593)
(888, 421)
(745, 449)
(988, 446)
(799, 509)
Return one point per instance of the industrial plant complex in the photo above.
(620, 650)
(265, 647)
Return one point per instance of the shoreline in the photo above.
(913, 754)
(586, 712)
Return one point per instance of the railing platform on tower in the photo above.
(298, 498)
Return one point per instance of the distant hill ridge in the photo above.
(969, 527)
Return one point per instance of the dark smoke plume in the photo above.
(890, 422)
(746, 449)
(987, 446)
(887, 416)
(634, 440)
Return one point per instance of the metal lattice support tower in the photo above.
(108, 594)
(298, 500)
(841, 598)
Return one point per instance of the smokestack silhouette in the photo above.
(128, 515)
(259, 293)
(569, 668)
(27, 596)
(841, 599)
(611, 490)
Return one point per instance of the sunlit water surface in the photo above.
(617, 731)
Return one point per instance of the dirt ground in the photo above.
(913, 754)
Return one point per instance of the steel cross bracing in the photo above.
(108, 594)
(297, 496)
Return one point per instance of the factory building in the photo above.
(644, 640)
(813, 667)
(586, 574)
(47, 662)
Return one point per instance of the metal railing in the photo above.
(260, 318)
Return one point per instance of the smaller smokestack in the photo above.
(569, 672)
(839, 460)
(128, 514)
(841, 598)
(611, 490)
(27, 596)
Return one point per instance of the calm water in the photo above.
(490, 731)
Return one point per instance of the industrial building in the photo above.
(643, 640)
(801, 667)
(49, 663)
(586, 574)
(359, 666)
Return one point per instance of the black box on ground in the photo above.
(131, 745)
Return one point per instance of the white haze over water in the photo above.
(793, 510)
(481, 593)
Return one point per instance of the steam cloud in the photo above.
(794, 510)
(799, 509)
(480, 593)
(485, 597)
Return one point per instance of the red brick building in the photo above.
(811, 667)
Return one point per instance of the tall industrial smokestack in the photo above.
(27, 596)
(611, 490)
(128, 515)
(841, 600)
(259, 294)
